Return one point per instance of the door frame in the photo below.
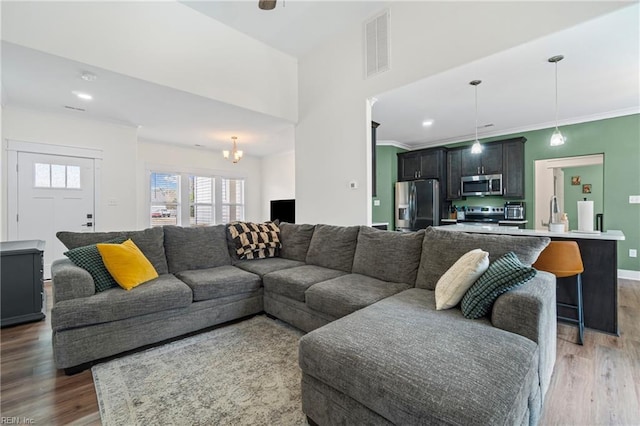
(14, 147)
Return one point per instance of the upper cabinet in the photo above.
(454, 174)
(489, 162)
(513, 168)
(423, 164)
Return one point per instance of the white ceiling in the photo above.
(39, 80)
(599, 77)
(294, 26)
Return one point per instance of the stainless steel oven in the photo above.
(481, 185)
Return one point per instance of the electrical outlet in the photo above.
(634, 199)
(376, 203)
(633, 253)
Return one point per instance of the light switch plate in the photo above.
(633, 253)
(634, 199)
(376, 203)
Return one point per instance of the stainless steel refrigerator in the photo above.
(417, 204)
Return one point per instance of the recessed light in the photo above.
(82, 95)
(427, 123)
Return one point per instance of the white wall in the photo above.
(278, 180)
(184, 159)
(166, 43)
(426, 38)
(118, 144)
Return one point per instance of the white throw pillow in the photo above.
(453, 285)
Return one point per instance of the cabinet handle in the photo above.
(482, 169)
(478, 168)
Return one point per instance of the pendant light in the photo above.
(556, 138)
(476, 148)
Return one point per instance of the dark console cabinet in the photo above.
(21, 276)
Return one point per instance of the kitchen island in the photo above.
(600, 277)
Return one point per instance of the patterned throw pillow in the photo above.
(255, 240)
(503, 275)
(88, 258)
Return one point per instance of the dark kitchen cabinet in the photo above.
(454, 173)
(513, 168)
(488, 162)
(422, 164)
(408, 165)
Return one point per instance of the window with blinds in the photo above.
(165, 199)
(186, 199)
(201, 197)
(232, 200)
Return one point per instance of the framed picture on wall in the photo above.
(586, 188)
(575, 180)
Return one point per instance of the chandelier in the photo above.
(235, 155)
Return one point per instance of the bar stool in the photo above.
(562, 259)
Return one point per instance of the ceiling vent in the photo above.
(376, 44)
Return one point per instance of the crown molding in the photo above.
(394, 143)
(539, 126)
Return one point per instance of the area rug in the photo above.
(241, 374)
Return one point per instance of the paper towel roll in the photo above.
(585, 216)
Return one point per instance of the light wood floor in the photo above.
(598, 383)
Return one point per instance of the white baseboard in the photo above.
(629, 275)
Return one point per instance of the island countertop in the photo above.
(611, 235)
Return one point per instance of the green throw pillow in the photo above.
(503, 275)
(88, 258)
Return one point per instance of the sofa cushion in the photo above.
(222, 281)
(293, 282)
(442, 248)
(295, 240)
(195, 248)
(453, 285)
(127, 264)
(333, 247)
(163, 293)
(503, 275)
(151, 242)
(89, 259)
(388, 256)
(411, 364)
(264, 266)
(346, 294)
(73, 240)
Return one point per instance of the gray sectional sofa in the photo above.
(377, 351)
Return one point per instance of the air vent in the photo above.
(74, 108)
(376, 44)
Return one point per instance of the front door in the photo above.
(55, 193)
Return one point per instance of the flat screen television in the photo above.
(283, 210)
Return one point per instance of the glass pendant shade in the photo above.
(476, 148)
(225, 154)
(556, 138)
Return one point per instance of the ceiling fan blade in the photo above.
(267, 4)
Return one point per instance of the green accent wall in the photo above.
(619, 140)
(386, 178)
(591, 175)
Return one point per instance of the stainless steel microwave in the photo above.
(481, 185)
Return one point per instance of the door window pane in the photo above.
(58, 176)
(73, 177)
(43, 175)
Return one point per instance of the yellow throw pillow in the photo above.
(127, 264)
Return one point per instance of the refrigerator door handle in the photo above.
(412, 205)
